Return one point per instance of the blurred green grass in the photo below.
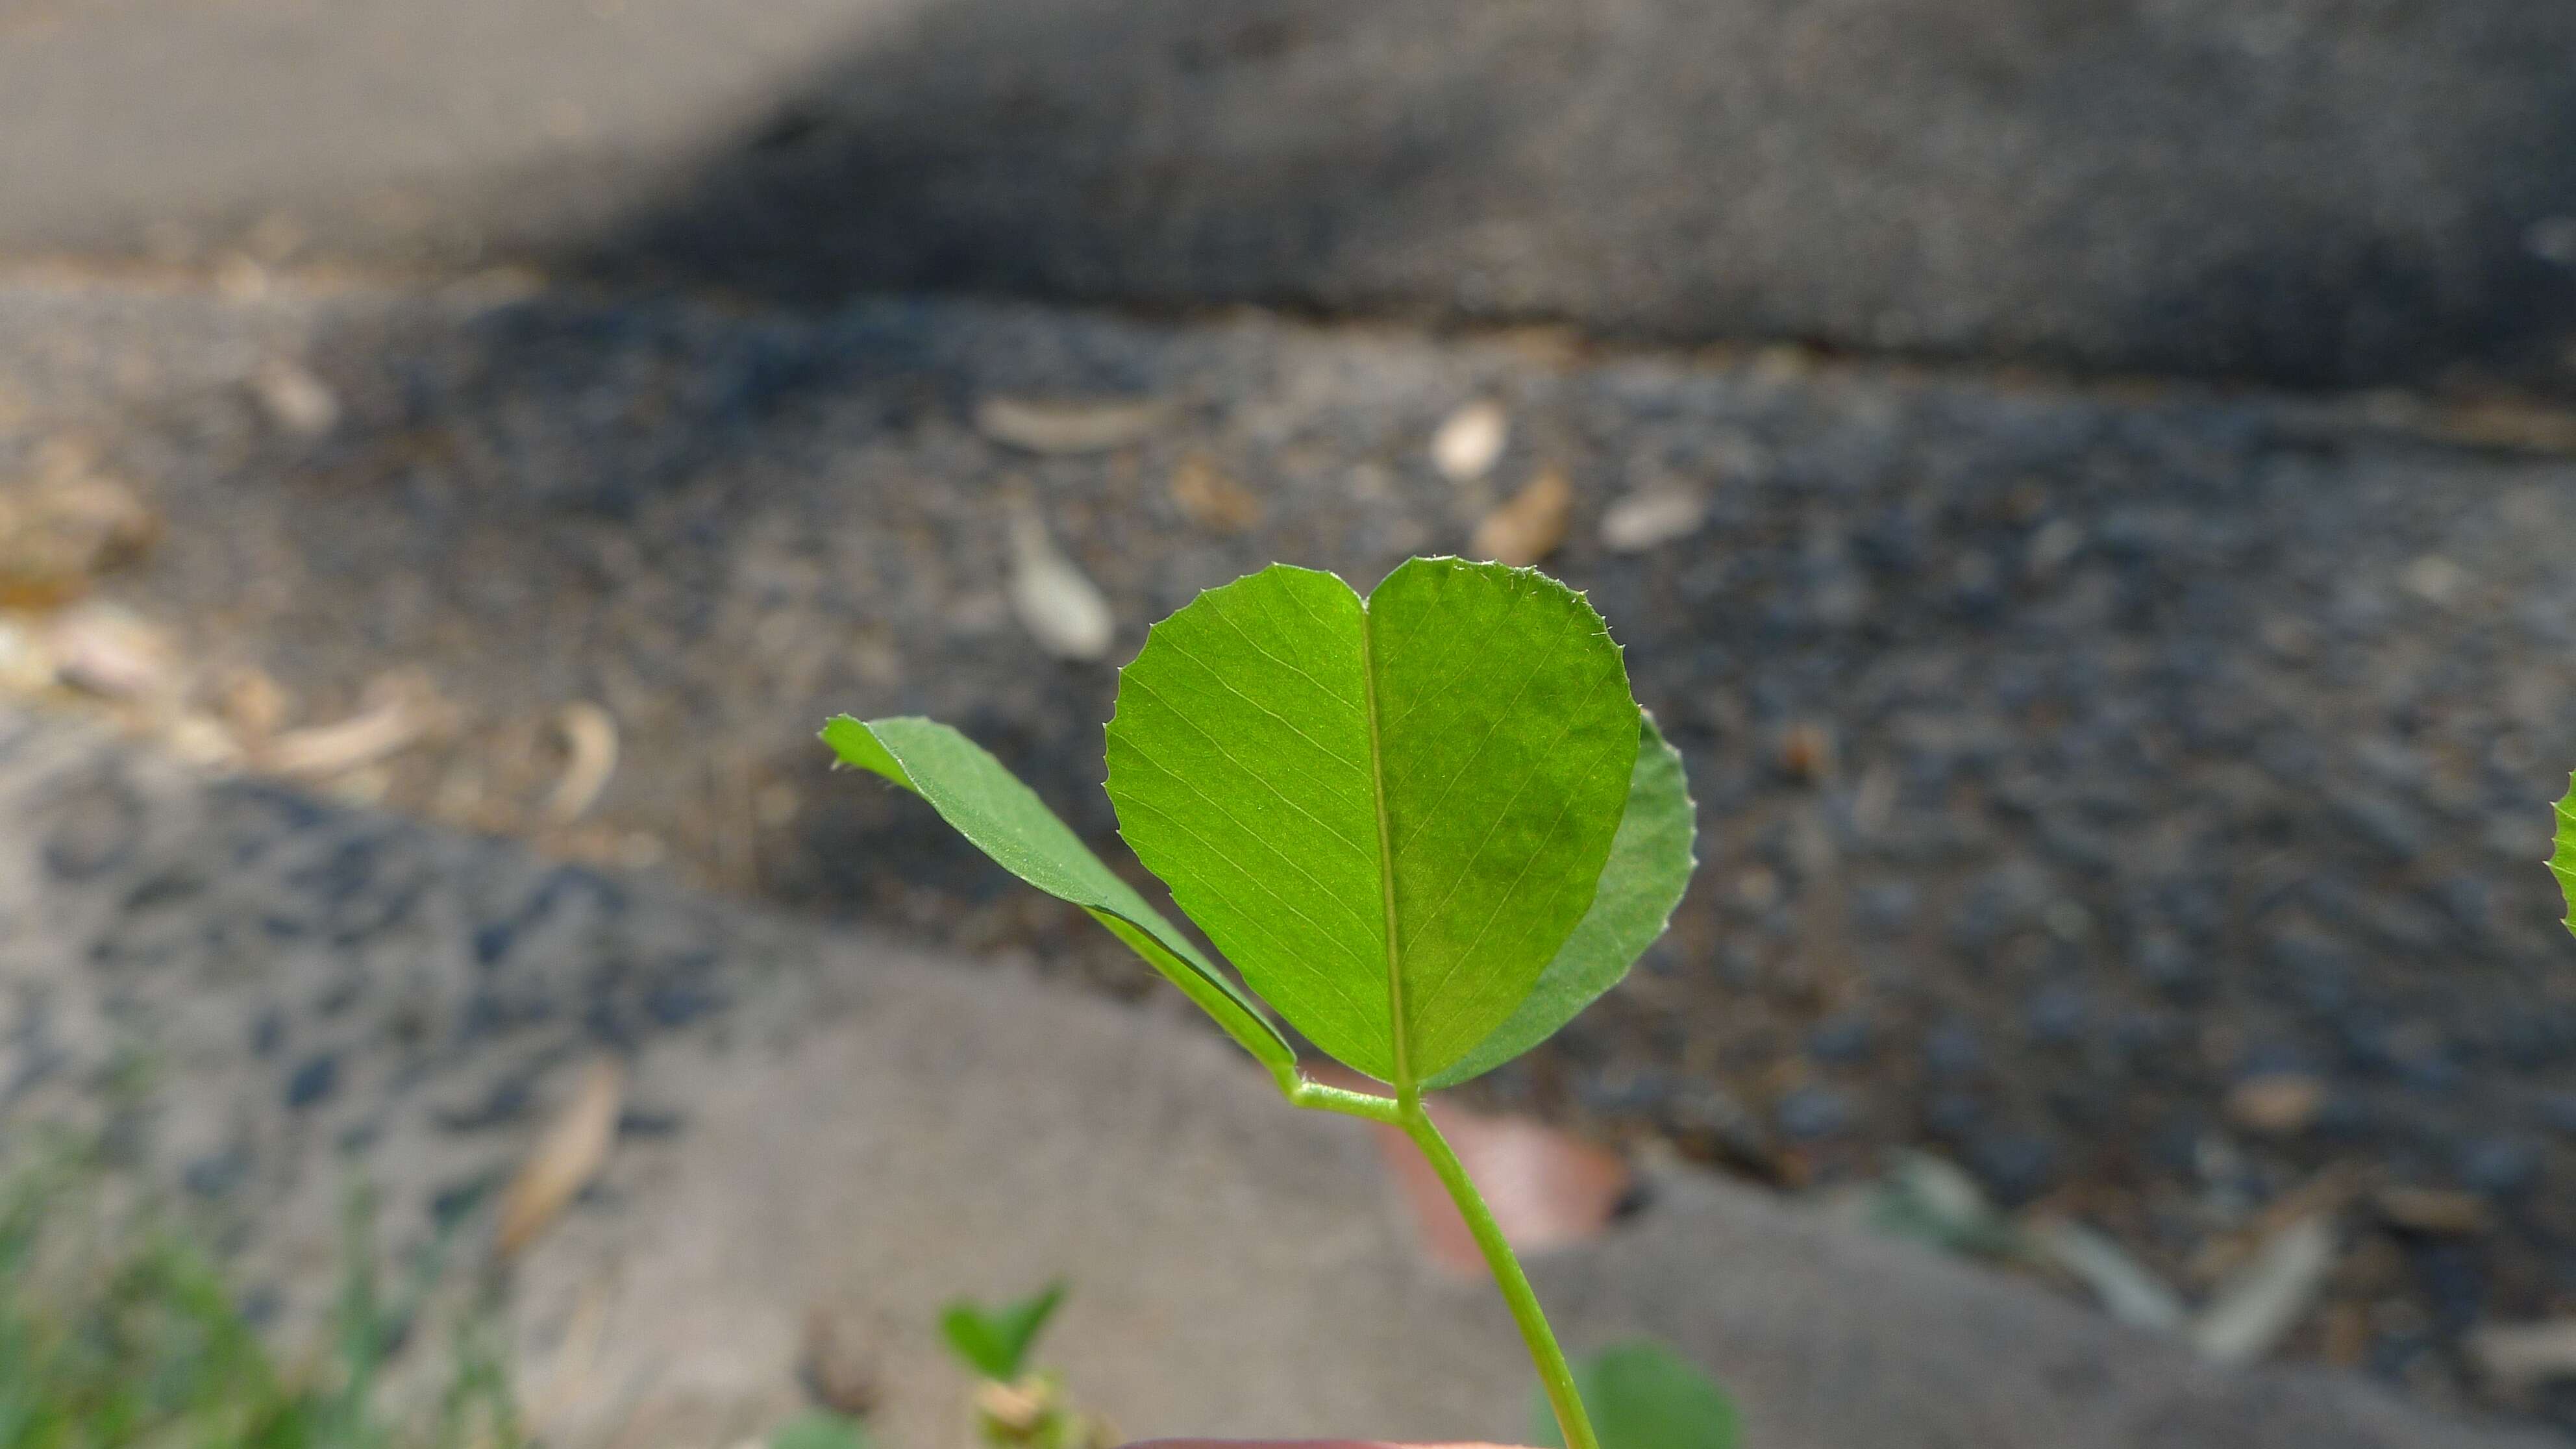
(117, 1329)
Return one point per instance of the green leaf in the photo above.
(1650, 865)
(820, 1429)
(1389, 815)
(970, 1336)
(1018, 1326)
(2563, 860)
(1005, 819)
(996, 1345)
(1642, 1395)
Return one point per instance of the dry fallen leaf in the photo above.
(1061, 609)
(1642, 520)
(253, 703)
(295, 399)
(1065, 427)
(1211, 499)
(2433, 1211)
(1470, 441)
(2523, 426)
(570, 1377)
(2125, 1288)
(65, 522)
(113, 653)
(1528, 527)
(203, 741)
(570, 1153)
(2276, 1104)
(399, 710)
(2252, 1312)
(2324, 1195)
(590, 738)
(25, 665)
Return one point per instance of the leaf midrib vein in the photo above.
(1403, 1064)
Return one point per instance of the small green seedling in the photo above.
(821, 1429)
(1428, 827)
(1017, 1407)
(1645, 1396)
(997, 1344)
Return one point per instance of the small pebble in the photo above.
(1951, 1049)
(216, 1174)
(296, 400)
(2276, 1104)
(2558, 1111)
(313, 1081)
(2499, 1166)
(1848, 1037)
(1642, 521)
(1470, 441)
(2165, 962)
(1808, 1113)
(1060, 607)
(2014, 1166)
(1885, 908)
(2058, 1012)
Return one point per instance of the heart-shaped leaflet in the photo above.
(1390, 813)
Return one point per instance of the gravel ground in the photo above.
(2066, 760)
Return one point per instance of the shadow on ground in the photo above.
(2321, 195)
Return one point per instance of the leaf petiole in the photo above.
(1317, 1096)
(1408, 1114)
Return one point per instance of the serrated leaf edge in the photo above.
(2562, 859)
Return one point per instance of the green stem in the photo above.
(1553, 1373)
(1321, 1098)
(1406, 1112)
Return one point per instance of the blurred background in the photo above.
(2087, 487)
